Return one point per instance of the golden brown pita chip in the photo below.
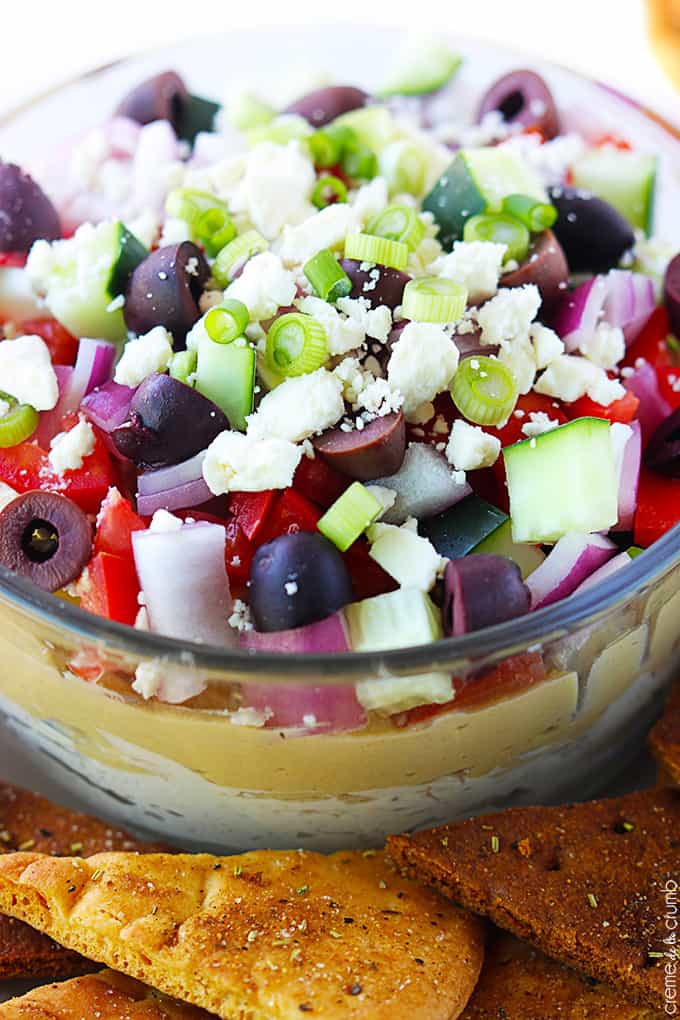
(263, 936)
(589, 884)
(664, 740)
(30, 822)
(664, 30)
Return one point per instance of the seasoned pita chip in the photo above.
(106, 996)
(589, 884)
(29, 822)
(664, 740)
(519, 983)
(263, 936)
(664, 30)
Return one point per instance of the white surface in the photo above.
(49, 42)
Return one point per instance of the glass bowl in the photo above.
(550, 707)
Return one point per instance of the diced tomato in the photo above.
(291, 513)
(623, 410)
(110, 588)
(658, 507)
(508, 678)
(115, 524)
(368, 577)
(63, 347)
(251, 509)
(669, 383)
(13, 259)
(318, 482)
(611, 140)
(536, 131)
(651, 343)
(529, 403)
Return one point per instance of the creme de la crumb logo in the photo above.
(671, 951)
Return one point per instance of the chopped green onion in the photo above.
(296, 344)
(246, 112)
(234, 254)
(536, 216)
(189, 204)
(484, 390)
(404, 167)
(325, 148)
(18, 424)
(433, 299)
(183, 365)
(398, 223)
(366, 248)
(374, 126)
(327, 277)
(501, 229)
(359, 162)
(215, 229)
(226, 321)
(343, 135)
(329, 189)
(225, 374)
(349, 516)
(285, 128)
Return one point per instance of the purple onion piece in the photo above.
(522, 97)
(26, 213)
(163, 97)
(324, 105)
(164, 290)
(482, 590)
(663, 449)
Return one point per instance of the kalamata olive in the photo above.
(168, 422)
(324, 105)
(45, 537)
(164, 291)
(546, 266)
(522, 97)
(671, 293)
(297, 579)
(662, 453)
(592, 233)
(372, 452)
(379, 285)
(26, 213)
(483, 590)
(163, 97)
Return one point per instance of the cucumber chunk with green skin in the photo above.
(225, 374)
(130, 252)
(424, 70)
(477, 181)
(564, 480)
(627, 180)
(460, 529)
(198, 114)
(500, 543)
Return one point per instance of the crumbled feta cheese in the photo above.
(175, 231)
(519, 357)
(352, 377)
(241, 618)
(264, 286)
(326, 229)
(539, 422)
(509, 314)
(551, 159)
(370, 199)
(547, 345)
(378, 398)
(475, 265)
(275, 188)
(374, 322)
(470, 448)
(423, 363)
(570, 377)
(242, 463)
(409, 559)
(343, 334)
(26, 372)
(143, 356)
(69, 449)
(168, 682)
(606, 347)
(163, 521)
(385, 496)
(250, 717)
(298, 408)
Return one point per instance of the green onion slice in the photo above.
(359, 162)
(183, 365)
(327, 277)
(226, 321)
(367, 248)
(398, 223)
(296, 344)
(536, 216)
(349, 516)
(189, 204)
(329, 189)
(234, 254)
(18, 424)
(325, 148)
(215, 229)
(404, 166)
(433, 299)
(484, 390)
(501, 229)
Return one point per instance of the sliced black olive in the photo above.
(593, 234)
(26, 213)
(546, 267)
(671, 293)
(45, 537)
(379, 285)
(164, 290)
(483, 590)
(522, 97)
(297, 579)
(163, 97)
(663, 449)
(324, 105)
(168, 422)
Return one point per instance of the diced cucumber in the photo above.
(198, 115)
(226, 375)
(460, 529)
(374, 126)
(627, 180)
(500, 543)
(564, 480)
(128, 253)
(634, 551)
(424, 69)
(478, 180)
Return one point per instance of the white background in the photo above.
(47, 41)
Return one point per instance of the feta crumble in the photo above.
(69, 449)
(606, 347)
(547, 345)
(509, 314)
(26, 372)
(470, 447)
(163, 521)
(243, 463)
(570, 377)
(475, 265)
(275, 188)
(143, 356)
(423, 363)
(298, 408)
(264, 286)
(539, 423)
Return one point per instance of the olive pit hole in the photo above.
(512, 105)
(40, 541)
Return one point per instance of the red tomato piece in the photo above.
(116, 522)
(658, 507)
(251, 509)
(651, 342)
(291, 513)
(13, 259)
(368, 577)
(318, 482)
(109, 587)
(63, 347)
(623, 410)
(669, 383)
(529, 403)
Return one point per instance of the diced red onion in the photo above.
(93, 368)
(122, 137)
(107, 406)
(425, 485)
(50, 421)
(619, 304)
(644, 305)
(181, 497)
(191, 470)
(627, 442)
(325, 636)
(654, 407)
(605, 571)
(184, 580)
(574, 558)
(579, 312)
